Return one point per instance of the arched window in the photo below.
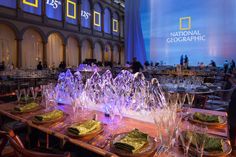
(72, 52)
(7, 45)
(107, 21)
(54, 50)
(85, 14)
(97, 19)
(97, 52)
(115, 24)
(34, 7)
(86, 50)
(32, 49)
(107, 53)
(8, 3)
(116, 55)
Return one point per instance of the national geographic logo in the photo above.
(185, 33)
(185, 23)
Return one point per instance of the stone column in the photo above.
(19, 52)
(79, 58)
(45, 51)
(64, 13)
(92, 17)
(103, 55)
(92, 47)
(79, 15)
(112, 33)
(112, 53)
(18, 9)
(102, 22)
(64, 52)
(44, 17)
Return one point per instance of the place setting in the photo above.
(196, 140)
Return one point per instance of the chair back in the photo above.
(3, 141)
(226, 94)
(20, 151)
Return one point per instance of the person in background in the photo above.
(151, 64)
(181, 60)
(136, 65)
(186, 61)
(62, 65)
(146, 63)
(39, 66)
(201, 65)
(232, 64)
(213, 63)
(226, 66)
(2, 66)
(157, 64)
(232, 119)
(45, 65)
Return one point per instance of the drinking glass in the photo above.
(186, 141)
(166, 122)
(34, 92)
(173, 98)
(18, 95)
(202, 129)
(27, 93)
(190, 98)
(181, 99)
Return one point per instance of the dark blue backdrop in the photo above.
(213, 19)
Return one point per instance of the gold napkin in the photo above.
(132, 142)
(55, 114)
(207, 117)
(211, 143)
(84, 128)
(26, 107)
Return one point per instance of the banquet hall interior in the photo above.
(117, 78)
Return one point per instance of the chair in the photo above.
(5, 150)
(221, 102)
(21, 151)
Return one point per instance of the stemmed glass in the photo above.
(74, 104)
(190, 98)
(181, 99)
(34, 92)
(173, 98)
(201, 141)
(186, 139)
(23, 93)
(166, 122)
(18, 95)
(27, 93)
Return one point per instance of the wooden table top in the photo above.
(58, 129)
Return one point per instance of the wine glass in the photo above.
(27, 93)
(18, 95)
(181, 99)
(186, 138)
(34, 92)
(202, 130)
(190, 98)
(173, 98)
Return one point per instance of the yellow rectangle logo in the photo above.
(182, 20)
(35, 4)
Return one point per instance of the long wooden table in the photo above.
(99, 144)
